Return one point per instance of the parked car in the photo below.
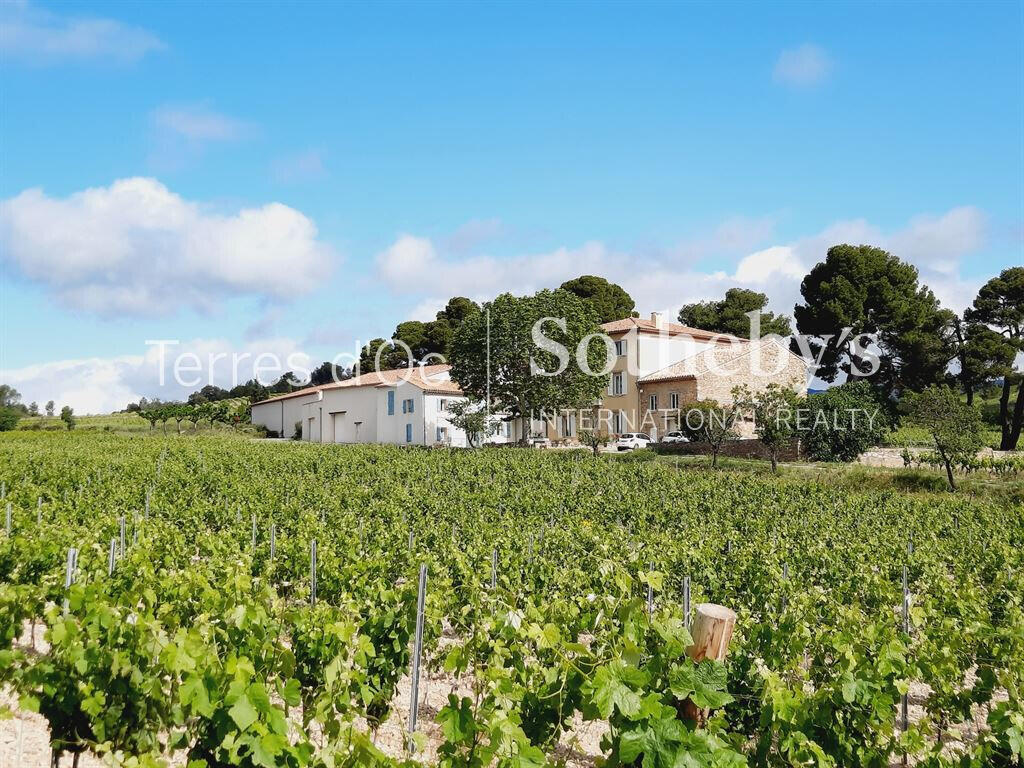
(675, 437)
(629, 441)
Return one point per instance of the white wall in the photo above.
(343, 408)
(280, 415)
(657, 352)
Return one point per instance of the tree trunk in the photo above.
(775, 460)
(1018, 417)
(714, 458)
(711, 631)
(1004, 414)
(949, 469)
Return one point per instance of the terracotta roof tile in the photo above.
(422, 377)
(672, 329)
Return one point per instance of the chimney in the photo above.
(658, 319)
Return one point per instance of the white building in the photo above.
(402, 407)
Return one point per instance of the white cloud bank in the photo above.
(934, 243)
(804, 66)
(37, 36)
(137, 248)
(102, 385)
(197, 122)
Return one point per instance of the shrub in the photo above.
(844, 421)
(638, 456)
(298, 431)
(8, 418)
(955, 426)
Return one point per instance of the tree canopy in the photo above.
(495, 352)
(732, 315)
(863, 303)
(999, 305)
(610, 301)
(955, 427)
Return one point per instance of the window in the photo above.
(443, 404)
(391, 402)
(408, 433)
(673, 400)
(618, 384)
(620, 348)
(412, 404)
(442, 434)
(654, 402)
(617, 422)
(407, 405)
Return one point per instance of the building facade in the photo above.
(400, 407)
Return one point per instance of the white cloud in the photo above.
(137, 248)
(37, 36)
(102, 385)
(935, 244)
(474, 233)
(803, 66)
(197, 122)
(299, 167)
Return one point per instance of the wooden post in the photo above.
(712, 632)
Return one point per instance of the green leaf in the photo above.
(243, 713)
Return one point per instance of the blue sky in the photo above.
(297, 177)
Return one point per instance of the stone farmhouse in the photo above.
(658, 368)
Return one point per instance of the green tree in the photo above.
(732, 315)
(610, 301)
(983, 355)
(209, 393)
(33, 408)
(382, 350)
(10, 398)
(705, 421)
(1000, 306)
(866, 316)
(471, 417)
(328, 373)
(50, 406)
(842, 422)
(594, 439)
(67, 415)
(955, 427)
(456, 310)
(494, 353)
(776, 414)
(9, 418)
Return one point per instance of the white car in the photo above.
(628, 441)
(675, 437)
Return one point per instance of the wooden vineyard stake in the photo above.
(686, 602)
(312, 572)
(417, 652)
(712, 632)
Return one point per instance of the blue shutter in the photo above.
(408, 433)
(412, 405)
(391, 402)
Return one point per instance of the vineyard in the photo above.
(215, 601)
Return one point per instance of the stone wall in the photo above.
(740, 449)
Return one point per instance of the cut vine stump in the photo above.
(711, 632)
